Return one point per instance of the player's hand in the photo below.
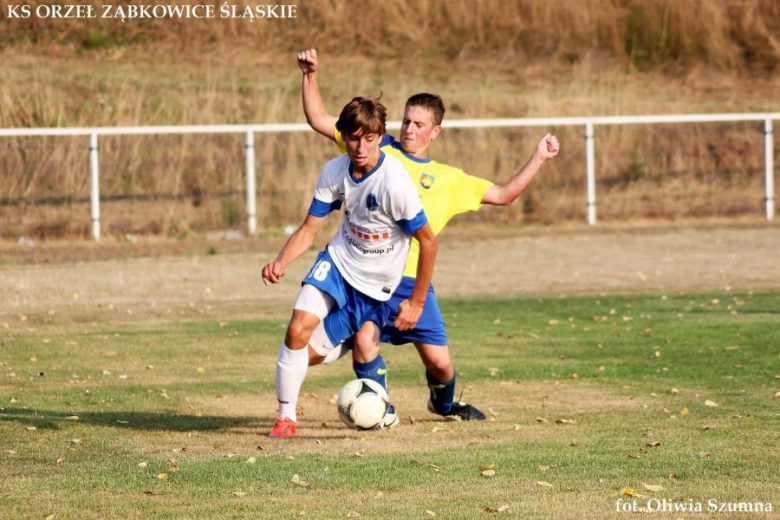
(548, 147)
(408, 315)
(273, 272)
(307, 61)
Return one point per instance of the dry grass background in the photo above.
(487, 59)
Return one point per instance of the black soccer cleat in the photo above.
(459, 412)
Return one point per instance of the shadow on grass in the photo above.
(51, 420)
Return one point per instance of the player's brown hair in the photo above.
(362, 114)
(431, 102)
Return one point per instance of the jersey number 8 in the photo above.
(320, 270)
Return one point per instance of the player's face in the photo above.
(418, 130)
(363, 150)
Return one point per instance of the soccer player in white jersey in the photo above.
(445, 191)
(363, 263)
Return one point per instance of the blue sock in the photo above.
(375, 370)
(442, 393)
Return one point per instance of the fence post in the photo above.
(590, 165)
(769, 165)
(251, 195)
(95, 185)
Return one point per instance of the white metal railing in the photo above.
(249, 130)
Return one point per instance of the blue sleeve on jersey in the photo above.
(323, 209)
(411, 226)
(387, 140)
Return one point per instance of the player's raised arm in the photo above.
(409, 310)
(296, 245)
(505, 194)
(313, 107)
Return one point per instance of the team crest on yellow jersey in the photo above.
(426, 180)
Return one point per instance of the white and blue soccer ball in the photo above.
(363, 404)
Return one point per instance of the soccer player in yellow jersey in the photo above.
(445, 191)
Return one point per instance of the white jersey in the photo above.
(382, 210)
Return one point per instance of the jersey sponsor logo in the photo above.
(368, 234)
(427, 180)
(371, 202)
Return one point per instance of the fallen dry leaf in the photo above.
(711, 404)
(655, 444)
(250, 460)
(239, 493)
(353, 514)
(75, 441)
(674, 391)
(685, 411)
(436, 429)
(430, 513)
(296, 479)
(200, 370)
(489, 473)
(541, 420)
(143, 464)
(499, 509)
(702, 454)
(59, 462)
(543, 483)
(708, 427)
(162, 476)
(51, 517)
(672, 477)
(31, 428)
(174, 465)
(565, 421)
(652, 487)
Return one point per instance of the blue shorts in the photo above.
(430, 329)
(352, 309)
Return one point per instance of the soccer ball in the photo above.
(363, 404)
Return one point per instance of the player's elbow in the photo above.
(430, 244)
(504, 197)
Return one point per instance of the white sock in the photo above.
(290, 372)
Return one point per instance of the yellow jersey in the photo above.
(445, 191)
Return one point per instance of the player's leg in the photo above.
(440, 373)
(368, 363)
(311, 306)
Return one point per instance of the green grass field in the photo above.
(585, 396)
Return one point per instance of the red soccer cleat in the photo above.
(284, 427)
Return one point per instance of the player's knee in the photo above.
(298, 334)
(366, 341)
(441, 367)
